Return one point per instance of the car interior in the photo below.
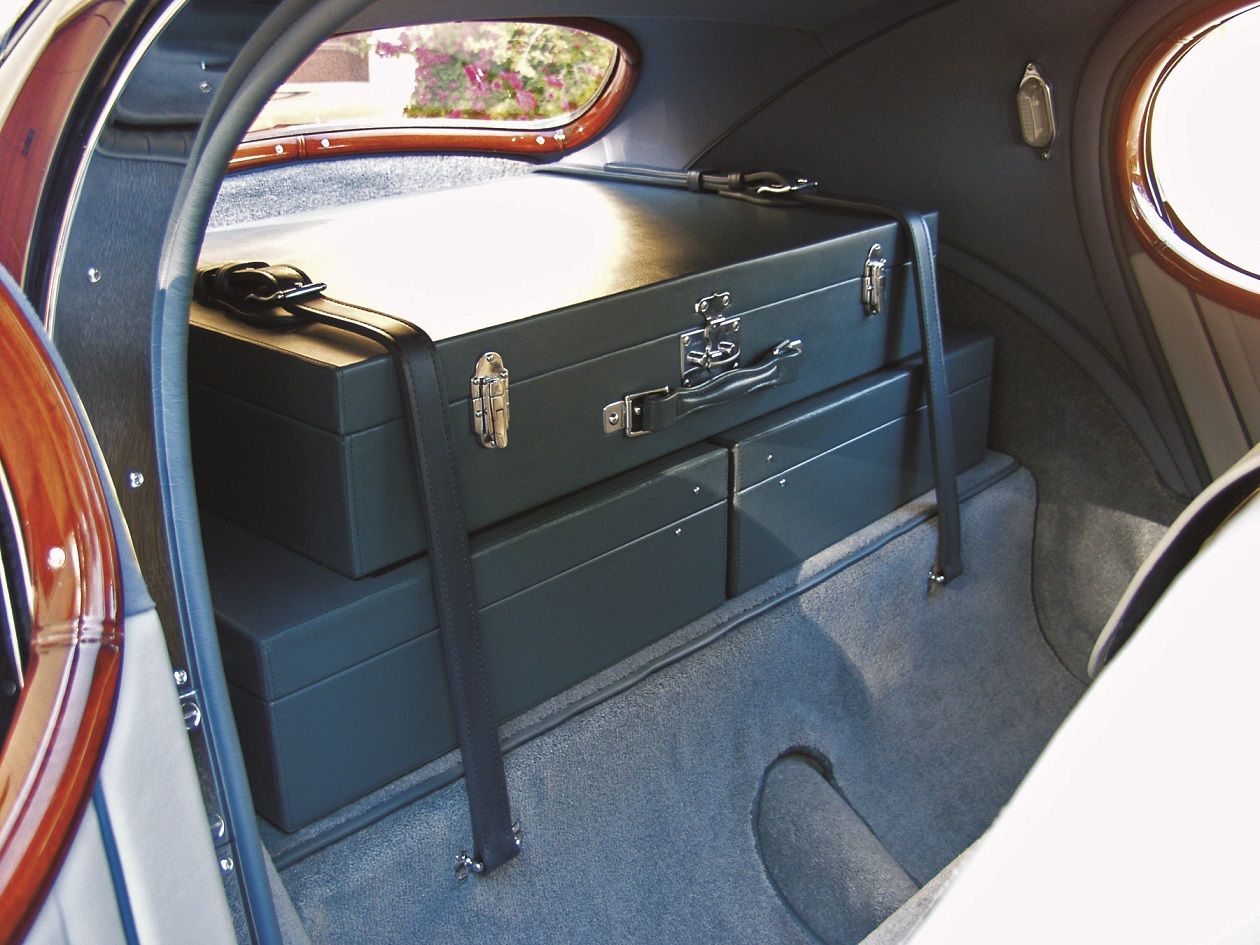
(822, 408)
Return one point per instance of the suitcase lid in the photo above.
(470, 265)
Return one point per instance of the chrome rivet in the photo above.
(226, 864)
(614, 418)
(181, 677)
(94, 275)
(677, 531)
(540, 140)
(696, 490)
(279, 149)
(325, 143)
(783, 482)
(192, 715)
(135, 479)
(769, 457)
(205, 88)
(56, 558)
(218, 829)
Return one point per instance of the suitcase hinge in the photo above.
(491, 407)
(873, 281)
(713, 348)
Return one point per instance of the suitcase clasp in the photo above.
(873, 280)
(491, 407)
(713, 348)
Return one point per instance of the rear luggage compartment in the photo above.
(600, 517)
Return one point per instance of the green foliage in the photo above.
(501, 71)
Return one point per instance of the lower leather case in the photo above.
(338, 684)
(808, 475)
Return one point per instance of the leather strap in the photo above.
(770, 188)
(283, 296)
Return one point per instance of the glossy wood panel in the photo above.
(277, 149)
(38, 118)
(1174, 251)
(50, 758)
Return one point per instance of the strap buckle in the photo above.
(787, 188)
(296, 293)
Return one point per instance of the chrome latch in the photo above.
(626, 415)
(874, 281)
(714, 347)
(491, 406)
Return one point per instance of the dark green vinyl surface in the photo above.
(339, 685)
(807, 476)
(299, 435)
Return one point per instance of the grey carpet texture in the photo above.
(1102, 506)
(830, 869)
(901, 924)
(927, 705)
(313, 185)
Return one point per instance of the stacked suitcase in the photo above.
(588, 543)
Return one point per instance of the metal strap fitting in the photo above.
(801, 183)
(297, 293)
(626, 415)
(465, 864)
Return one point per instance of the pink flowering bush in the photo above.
(500, 71)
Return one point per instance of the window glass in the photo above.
(463, 74)
(1205, 139)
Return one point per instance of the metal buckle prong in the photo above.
(298, 293)
(779, 190)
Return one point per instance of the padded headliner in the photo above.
(793, 14)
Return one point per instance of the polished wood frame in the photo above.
(39, 117)
(54, 746)
(1175, 252)
(591, 122)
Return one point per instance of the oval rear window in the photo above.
(471, 74)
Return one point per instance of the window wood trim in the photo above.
(520, 142)
(1175, 251)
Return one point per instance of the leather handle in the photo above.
(779, 366)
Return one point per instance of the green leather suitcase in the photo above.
(338, 684)
(806, 476)
(592, 292)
